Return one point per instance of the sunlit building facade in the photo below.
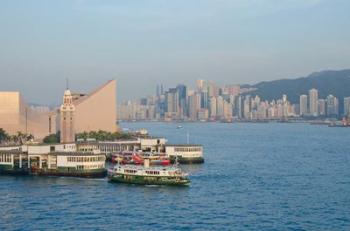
(92, 112)
(17, 116)
(97, 110)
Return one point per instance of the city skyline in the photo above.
(140, 43)
(228, 103)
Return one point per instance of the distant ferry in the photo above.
(185, 153)
(146, 175)
(344, 123)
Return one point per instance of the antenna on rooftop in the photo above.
(67, 83)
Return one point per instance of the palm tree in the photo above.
(14, 139)
(20, 137)
(29, 137)
(3, 136)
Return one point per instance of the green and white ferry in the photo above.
(146, 175)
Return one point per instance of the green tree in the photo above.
(103, 135)
(21, 138)
(83, 135)
(52, 138)
(3, 136)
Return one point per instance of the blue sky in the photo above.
(142, 43)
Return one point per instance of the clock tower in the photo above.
(67, 112)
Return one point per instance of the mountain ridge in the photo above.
(335, 82)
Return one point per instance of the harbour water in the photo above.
(275, 176)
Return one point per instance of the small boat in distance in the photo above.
(146, 175)
(179, 127)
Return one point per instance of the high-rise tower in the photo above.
(313, 98)
(67, 112)
(303, 105)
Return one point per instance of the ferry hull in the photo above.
(184, 160)
(98, 173)
(82, 174)
(14, 172)
(145, 180)
(9, 170)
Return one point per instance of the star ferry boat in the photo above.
(146, 175)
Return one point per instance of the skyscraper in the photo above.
(194, 105)
(346, 106)
(303, 105)
(227, 108)
(246, 107)
(182, 92)
(313, 99)
(213, 107)
(321, 107)
(262, 110)
(172, 103)
(284, 98)
(220, 106)
(332, 106)
(202, 85)
(204, 99)
(212, 90)
(238, 107)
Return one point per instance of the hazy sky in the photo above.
(142, 43)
